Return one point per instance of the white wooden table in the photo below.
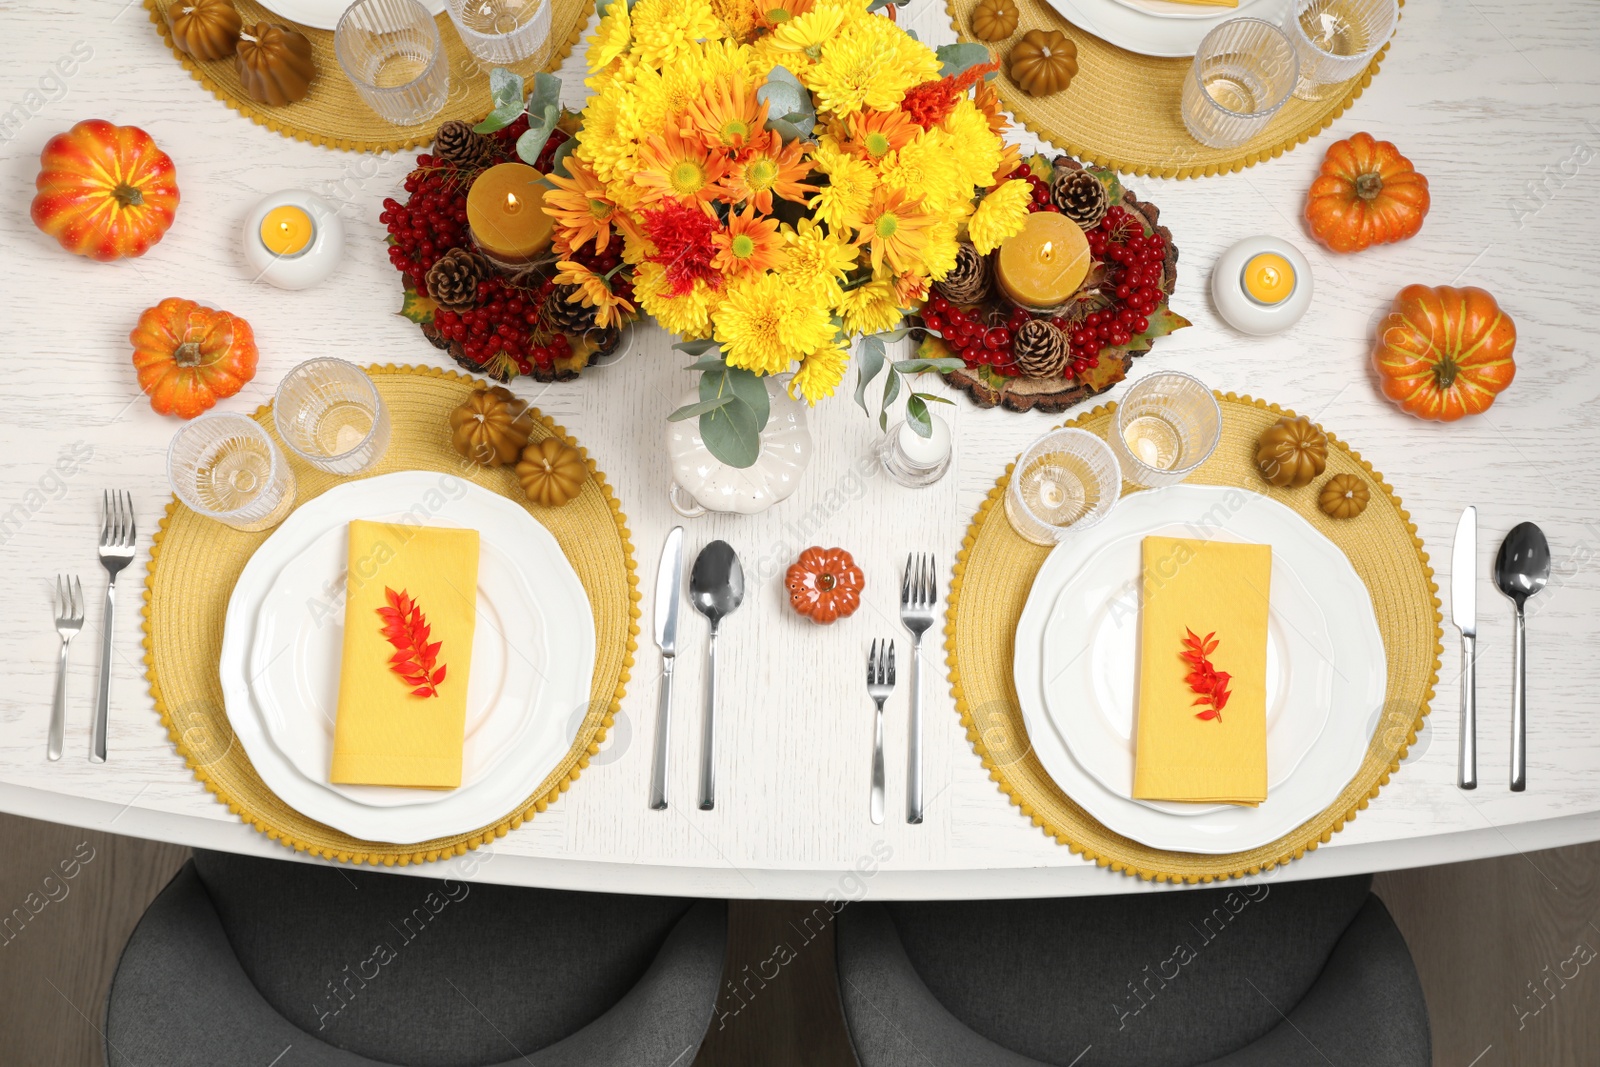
(1498, 102)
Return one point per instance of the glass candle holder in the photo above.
(913, 460)
(1066, 480)
(1167, 425)
(391, 52)
(226, 467)
(1335, 40)
(502, 31)
(1242, 74)
(329, 414)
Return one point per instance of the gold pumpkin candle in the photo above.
(505, 212)
(1043, 266)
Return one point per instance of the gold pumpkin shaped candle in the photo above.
(205, 29)
(551, 472)
(491, 427)
(274, 64)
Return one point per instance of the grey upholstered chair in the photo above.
(1268, 975)
(254, 961)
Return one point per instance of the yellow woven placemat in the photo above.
(195, 562)
(333, 115)
(1123, 110)
(995, 570)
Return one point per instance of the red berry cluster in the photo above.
(970, 332)
(1133, 262)
(504, 324)
(1042, 200)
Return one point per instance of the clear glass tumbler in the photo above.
(1167, 425)
(502, 31)
(1066, 480)
(1242, 74)
(330, 414)
(391, 52)
(226, 467)
(1336, 40)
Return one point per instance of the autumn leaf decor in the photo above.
(406, 628)
(1210, 684)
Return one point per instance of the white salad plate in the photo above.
(324, 14)
(1156, 28)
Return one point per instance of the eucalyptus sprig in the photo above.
(871, 360)
(733, 407)
(543, 107)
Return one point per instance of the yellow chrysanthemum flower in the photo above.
(612, 37)
(809, 32)
(820, 372)
(939, 254)
(688, 315)
(738, 18)
(818, 261)
(925, 169)
(870, 308)
(764, 325)
(1001, 214)
(844, 201)
(665, 29)
(600, 143)
(979, 149)
(870, 63)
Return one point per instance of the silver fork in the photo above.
(118, 535)
(918, 592)
(69, 620)
(880, 683)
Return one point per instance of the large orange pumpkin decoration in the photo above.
(189, 356)
(1443, 353)
(105, 191)
(1367, 194)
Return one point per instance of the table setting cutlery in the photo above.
(880, 683)
(1464, 613)
(118, 536)
(1521, 569)
(669, 590)
(716, 588)
(918, 593)
(69, 621)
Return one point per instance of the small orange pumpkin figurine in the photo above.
(1367, 194)
(825, 584)
(189, 356)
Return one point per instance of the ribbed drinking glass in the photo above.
(1164, 428)
(391, 52)
(1242, 74)
(1066, 480)
(330, 414)
(227, 468)
(502, 31)
(1336, 40)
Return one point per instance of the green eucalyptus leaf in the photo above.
(709, 361)
(695, 348)
(891, 389)
(731, 434)
(689, 411)
(540, 126)
(918, 364)
(917, 416)
(931, 398)
(869, 361)
(506, 90)
(955, 58)
(749, 387)
(558, 162)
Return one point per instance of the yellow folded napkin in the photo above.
(1207, 598)
(409, 589)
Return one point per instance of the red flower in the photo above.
(407, 629)
(682, 237)
(1203, 678)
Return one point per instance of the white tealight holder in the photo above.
(307, 266)
(1261, 286)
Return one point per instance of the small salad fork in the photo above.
(880, 683)
(69, 620)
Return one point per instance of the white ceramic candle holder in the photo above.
(307, 267)
(1244, 312)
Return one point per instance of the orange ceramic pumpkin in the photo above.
(189, 356)
(825, 584)
(1367, 194)
(105, 191)
(1443, 353)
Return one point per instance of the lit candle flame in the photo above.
(513, 205)
(1048, 252)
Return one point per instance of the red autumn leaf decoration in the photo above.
(1210, 683)
(407, 629)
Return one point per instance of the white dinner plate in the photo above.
(1359, 673)
(567, 671)
(1091, 661)
(1137, 26)
(295, 657)
(324, 14)
(1171, 9)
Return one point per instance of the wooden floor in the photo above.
(1508, 950)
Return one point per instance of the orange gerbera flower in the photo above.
(895, 228)
(988, 101)
(1010, 160)
(774, 13)
(910, 288)
(728, 115)
(580, 207)
(871, 135)
(768, 167)
(748, 244)
(671, 165)
(593, 291)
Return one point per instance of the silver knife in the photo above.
(1464, 613)
(669, 591)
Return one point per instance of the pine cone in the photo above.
(568, 316)
(454, 142)
(1040, 349)
(968, 280)
(1080, 196)
(453, 279)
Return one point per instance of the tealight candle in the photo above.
(505, 212)
(1043, 266)
(1261, 285)
(914, 460)
(293, 239)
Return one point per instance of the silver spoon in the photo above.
(716, 586)
(1520, 570)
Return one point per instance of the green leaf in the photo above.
(690, 411)
(540, 126)
(955, 58)
(752, 389)
(891, 390)
(696, 348)
(869, 361)
(558, 162)
(506, 89)
(931, 398)
(917, 416)
(917, 365)
(789, 107)
(418, 307)
(546, 91)
(731, 434)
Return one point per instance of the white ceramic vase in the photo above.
(701, 482)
